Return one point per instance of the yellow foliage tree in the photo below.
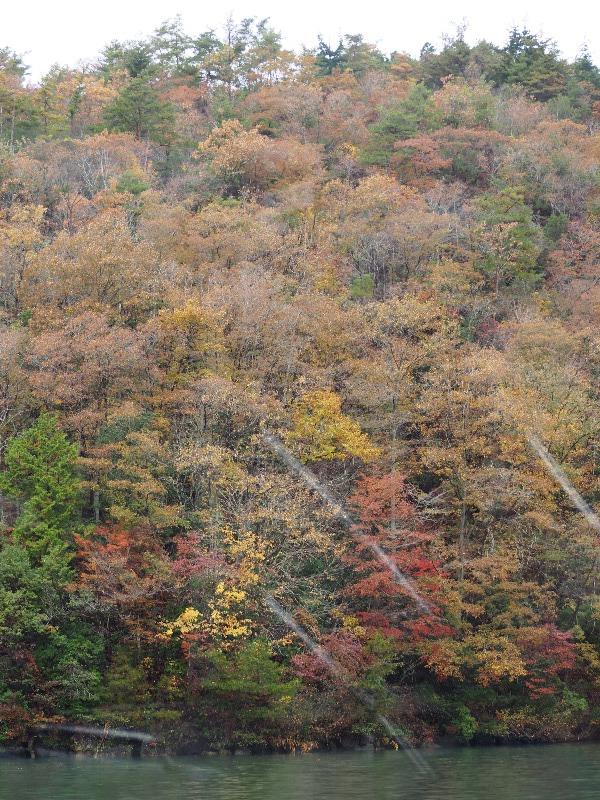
(324, 433)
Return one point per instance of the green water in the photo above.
(556, 772)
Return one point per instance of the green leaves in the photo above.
(139, 110)
(40, 474)
(246, 692)
(508, 240)
(23, 591)
(401, 121)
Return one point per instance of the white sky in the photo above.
(66, 31)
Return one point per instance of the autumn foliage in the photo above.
(392, 265)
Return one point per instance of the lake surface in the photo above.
(553, 772)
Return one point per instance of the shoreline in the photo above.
(84, 749)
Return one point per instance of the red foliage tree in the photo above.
(128, 572)
(549, 655)
(386, 519)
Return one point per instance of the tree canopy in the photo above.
(279, 328)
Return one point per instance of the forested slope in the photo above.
(390, 264)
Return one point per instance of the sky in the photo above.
(68, 31)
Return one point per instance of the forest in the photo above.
(388, 265)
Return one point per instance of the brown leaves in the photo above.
(99, 267)
(245, 159)
(84, 368)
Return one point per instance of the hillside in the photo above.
(392, 267)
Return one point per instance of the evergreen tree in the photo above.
(40, 472)
(138, 109)
(534, 64)
(172, 47)
(134, 58)
(452, 60)
(401, 121)
(329, 59)
(508, 240)
(360, 56)
(585, 70)
(246, 692)
(12, 63)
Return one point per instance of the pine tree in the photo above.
(40, 472)
(400, 121)
(138, 109)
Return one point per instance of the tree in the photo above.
(132, 476)
(132, 58)
(248, 56)
(324, 433)
(328, 59)
(452, 61)
(508, 241)
(573, 269)
(388, 520)
(385, 229)
(12, 62)
(14, 391)
(20, 237)
(246, 696)
(85, 369)
(465, 103)
(139, 109)
(352, 54)
(246, 160)
(585, 70)
(473, 156)
(534, 64)
(401, 121)
(127, 571)
(172, 47)
(18, 111)
(49, 657)
(555, 166)
(100, 266)
(40, 473)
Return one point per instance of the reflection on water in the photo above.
(556, 772)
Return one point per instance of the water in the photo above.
(554, 772)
